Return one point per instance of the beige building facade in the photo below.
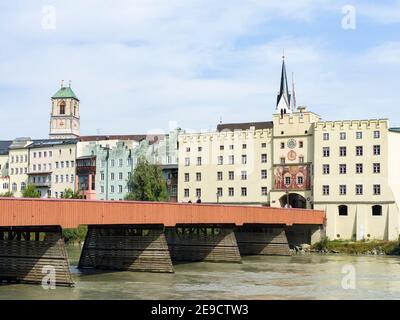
(18, 165)
(349, 169)
(52, 166)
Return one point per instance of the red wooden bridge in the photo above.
(142, 236)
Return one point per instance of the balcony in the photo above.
(40, 179)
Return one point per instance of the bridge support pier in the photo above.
(126, 247)
(308, 234)
(203, 243)
(262, 240)
(34, 255)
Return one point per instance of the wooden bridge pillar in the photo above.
(203, 243)
(126, 247)
(262, 240)
(33, 254)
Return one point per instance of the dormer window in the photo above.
(62, 107)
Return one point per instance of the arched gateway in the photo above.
(295, 201)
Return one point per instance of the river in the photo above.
(310, 276)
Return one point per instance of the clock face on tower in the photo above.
(291, 143)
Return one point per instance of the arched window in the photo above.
(62, 107)
(377, 210)
(342, 210)
(14, 187)
(23, 186)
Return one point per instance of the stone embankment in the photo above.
(350, 247)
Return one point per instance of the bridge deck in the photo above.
(72, 213)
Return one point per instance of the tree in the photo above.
(7, 194)
(69, 194)
(147, 183)
(31, 192)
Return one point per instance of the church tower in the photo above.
(283, 102)
(64, 118)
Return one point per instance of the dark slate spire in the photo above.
(284, 89)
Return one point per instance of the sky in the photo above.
(146, 66)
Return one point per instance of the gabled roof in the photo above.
(245, 126)
(65, 92)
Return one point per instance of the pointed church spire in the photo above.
(283, 100)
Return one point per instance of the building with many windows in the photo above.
(105, 163)
(52, 166)
(18, 165)
(347, 168)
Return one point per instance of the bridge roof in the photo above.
(72, 213)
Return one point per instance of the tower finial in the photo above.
(62, 83)
(69, 83)
(283, 54)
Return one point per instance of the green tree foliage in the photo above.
(7, 194)
(70, 194)
(147, 183)
(74, 235)
(31, 192)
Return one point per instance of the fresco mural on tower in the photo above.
(296, 177)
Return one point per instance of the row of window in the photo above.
(57, 179)
(45, 154)
(39, 154)
(231, 147)
(301, 144)
(376, 168)
(326, 151)
(18, 171)
(112, 176)
(231, 175)
(359, 189)
(15, 187)
(231, 160)
(359, 135)
(112, 189)
(58, 165)
(301, 159)
(231, 192)
(19, 159)
(376, 210)
(120, 163)
(299, 180)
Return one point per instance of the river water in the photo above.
(258, 277)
